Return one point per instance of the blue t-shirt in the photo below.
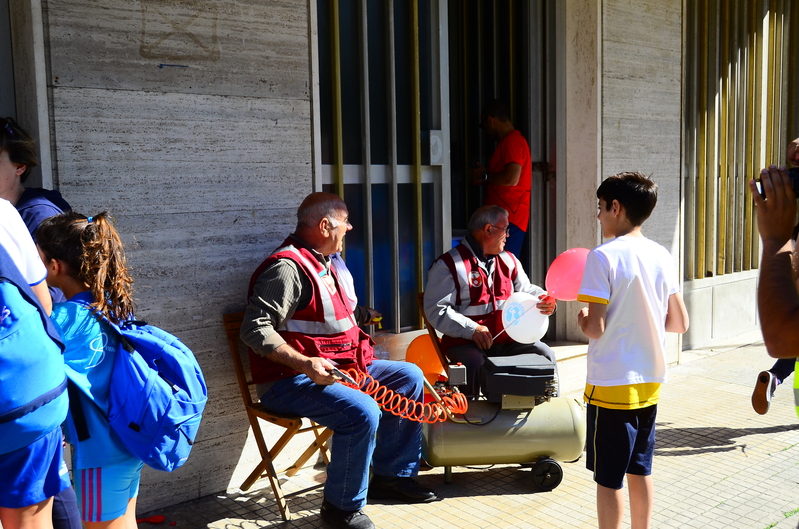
(34, 206)
(37, 204)
(91, 347)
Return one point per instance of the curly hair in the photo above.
(93, 253)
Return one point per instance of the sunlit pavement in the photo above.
(717, 465)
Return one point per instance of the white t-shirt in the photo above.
(635, 277)
(17, 241)
(345, 280)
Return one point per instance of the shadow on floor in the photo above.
(710, 439)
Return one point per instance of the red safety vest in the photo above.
(477, 296)
(325, 328)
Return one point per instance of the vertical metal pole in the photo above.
(724, 74)
(690, 90)
(416, 145)
(368, 245)
(511, 60)
(701, 158)
(753, 102)
(338, 139)
(393, 205)
(313, 53)
(441, 121)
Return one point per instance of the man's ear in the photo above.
(487, 229)
(324, 227)
(21, 168)
(616, 208)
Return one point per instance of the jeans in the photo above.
(783, 368)
(362, 433)
(473, 358)
(515, 240)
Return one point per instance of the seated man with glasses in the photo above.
(300, 330)
(466, 288)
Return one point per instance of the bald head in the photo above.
(318, 206)
(322, 222)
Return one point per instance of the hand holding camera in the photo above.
(793, 176)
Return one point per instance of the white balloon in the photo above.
(523, 322)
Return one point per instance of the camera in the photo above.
(793, 175)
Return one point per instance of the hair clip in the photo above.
(89, 220)
(8, 128)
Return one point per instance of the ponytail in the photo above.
(93, 252)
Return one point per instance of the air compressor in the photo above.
(520, 420)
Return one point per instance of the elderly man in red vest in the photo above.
(466, 288)
(300, 327)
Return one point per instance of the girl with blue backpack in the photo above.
(86, 260)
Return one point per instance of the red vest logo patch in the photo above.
(475, 279)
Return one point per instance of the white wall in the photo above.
(623, 62)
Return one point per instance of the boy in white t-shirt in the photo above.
(633, 296)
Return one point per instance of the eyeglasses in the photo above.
(505, 229)
(335, 223)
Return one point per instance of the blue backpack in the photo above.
(33, 401)
(157, 396)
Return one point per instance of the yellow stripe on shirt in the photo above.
(628, 397)
(591, 299)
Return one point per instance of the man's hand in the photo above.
(547, 305)
(776, 213)
(478, 174)
(482, 337)
(374, 316)
(318, 370)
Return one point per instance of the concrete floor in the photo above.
(717, 465)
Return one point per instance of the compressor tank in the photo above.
(554, 429)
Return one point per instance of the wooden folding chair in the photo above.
(433, 334)
(292, 424)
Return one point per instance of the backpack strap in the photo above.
(35, 404)
(78, 415)
(9, 272)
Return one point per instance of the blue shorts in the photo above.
(620, 442)
(104, 492)
(34, 472)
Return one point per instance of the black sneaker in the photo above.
(345, 519)
(402, 489)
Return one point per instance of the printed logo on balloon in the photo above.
(523, 322)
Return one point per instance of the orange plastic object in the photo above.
(422, 352)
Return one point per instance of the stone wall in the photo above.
(641, 119)
(190, 122)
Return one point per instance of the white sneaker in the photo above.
(764, 390)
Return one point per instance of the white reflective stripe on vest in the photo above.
(466, 308)
(460, 269)
(509, 260)
(331, 325)
(317, 327)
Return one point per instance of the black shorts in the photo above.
(620, 442)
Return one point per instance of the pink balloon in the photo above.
(565, 274)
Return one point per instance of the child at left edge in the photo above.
(633, 295)
(86, 260)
